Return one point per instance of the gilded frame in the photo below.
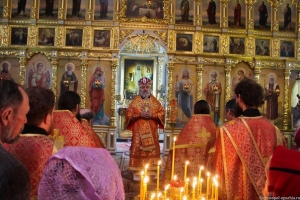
(47, 31)
(124, 18)
(284, 48)
(14, 28)
(102, 43)
(184, 42)
(211, 39)
(263, 44)
(236, 44)
(77, 30)
(123, 76)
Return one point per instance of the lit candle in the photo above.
(184, 197)
(201, 181)
(186, 187)
(145, 187)
(141, 184)
(173, 157)
(166, 190)
(146, 167)
(216, 192)
(157, 175)
(180, 194)
(199, 178)
(194, 191)
(185, 170)
(152, 196)
(158, 195)
(212, 188)
(207, 184)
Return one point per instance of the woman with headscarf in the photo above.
(81, 173)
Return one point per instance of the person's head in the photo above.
(74, 173)
(87, 114)
(249, 94)
(185, 74)
(263, 3)
(70, 100)
(282, 173)
(14, 105)
(70, 69)
(232, 110)
(5, 66)
(201, 107)
(39, 66)
(213, 75)
(287, 5)
(97, 71)
(41, 102)
(144, 87)
(241, 73)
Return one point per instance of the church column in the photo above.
(172, 14)
(54, 64)
(22, 62)
(114, 66)
(6, 9)
(286, 99)
(257, 72)
(84, 63)
(228, 86)
(224, 17)
(117, 10)
(89, 13)
(250, 17)
(61, 10)
(170, 69)
(298, 16)
(198, 13)
(34, 9)
(199, 92)
(275, 25)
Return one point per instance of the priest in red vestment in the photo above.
(34, 147)
(244, 145)
(191, 144)
(144, 116)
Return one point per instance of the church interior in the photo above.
(211, 44)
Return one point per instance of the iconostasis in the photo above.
(209, 45)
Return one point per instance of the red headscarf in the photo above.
(284, 173)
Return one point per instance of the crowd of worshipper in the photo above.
(49, 153)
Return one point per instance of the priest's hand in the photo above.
(146, 115)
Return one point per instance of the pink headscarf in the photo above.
(81, 173)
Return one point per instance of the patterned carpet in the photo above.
(131, 186)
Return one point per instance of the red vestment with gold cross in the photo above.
(243, 146)
(145, 148)
(190, 146)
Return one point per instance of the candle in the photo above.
(166, 189)
(158, 195)
(173, 157)
(145, 187)
(186, 187)
(112, 140)
(207, 184)
(146, 167)
(152, 196)
(157, 175)
(199, 178)
(212, 188)
(194, 191)
(141, 184)
(180, 194)
(216, 192)
(201, 181)
(185, 170)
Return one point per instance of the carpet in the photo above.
(131, 186)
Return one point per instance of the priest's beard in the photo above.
(69, 73)
(144, 94)
(238, 111)
(7, 134)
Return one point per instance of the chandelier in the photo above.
(142, 44)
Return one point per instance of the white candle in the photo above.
(185, 170)
(173, 157)
(199, 178)
(157, 175)
(207, 184)
(141, 184)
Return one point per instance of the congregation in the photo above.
(247, 152)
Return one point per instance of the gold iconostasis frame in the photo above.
(168, 34)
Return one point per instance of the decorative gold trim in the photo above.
(185, 59)
(92, 37)
(54, 65)
(114, 68)
(162, 36)
(227, 71)
(83, 94)
(124, 33)
(286, 100)
(22, 62)
(199, 92)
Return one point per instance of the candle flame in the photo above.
(201, 180)
(208, 174)
(146, 179)
(186, 162)
(201, 168)
(167, 187)
(175, 177)
(142, 173)
(174, 139)
(146, 167)
(159, 162)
